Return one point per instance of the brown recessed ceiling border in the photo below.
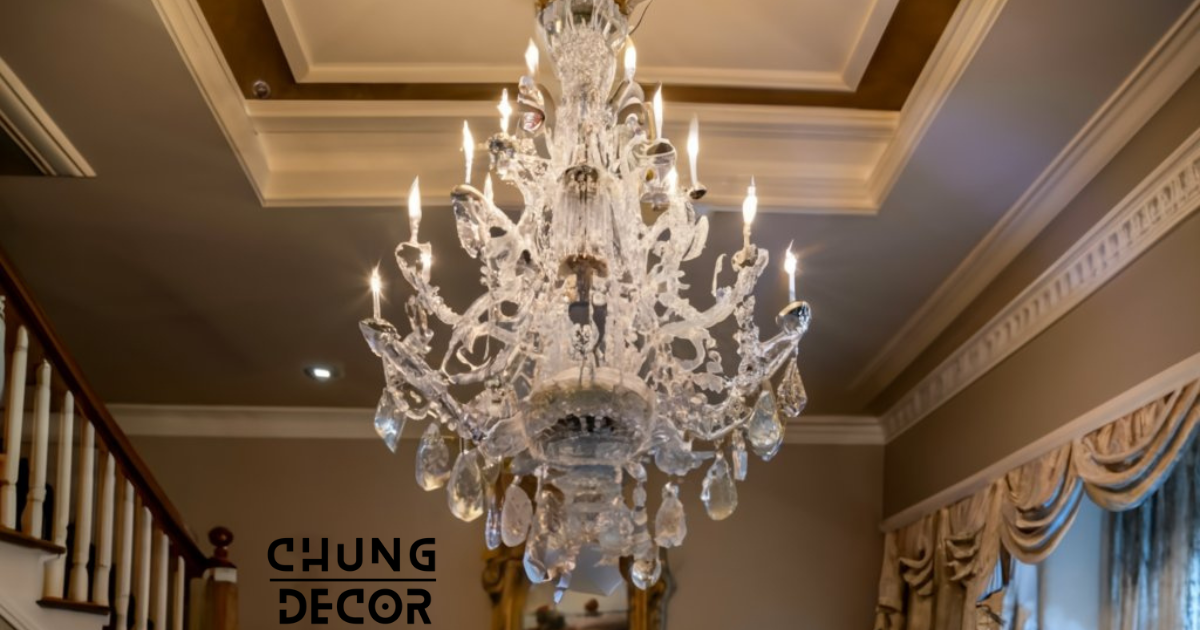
(251, 48)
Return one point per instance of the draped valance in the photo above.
(946, 571)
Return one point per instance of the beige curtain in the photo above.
(947, 570)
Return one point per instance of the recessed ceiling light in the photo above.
(320, 372)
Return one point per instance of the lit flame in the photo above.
(789, 261)
(630, 60)
(658, 112)
(693, 147)
(531, 58)
(468, 147)
(376, 281)
(414, 207)
(505, 111)
(750, 205)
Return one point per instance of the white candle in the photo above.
(749, 210)
(658, 113)
(630, 60)
(376, 288)
(789, 265)
(468, 147)
(693, 149)
(531, 59)
(505, 111)
(414, 209)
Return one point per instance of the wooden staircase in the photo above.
(97, 543)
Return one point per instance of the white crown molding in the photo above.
(307, 69)
(355, 424)
(345, 153)
(1160, 202)
(32, 128)
(1144, 91)
(1142, 394)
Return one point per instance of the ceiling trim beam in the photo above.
(355, 424)
(33, 129)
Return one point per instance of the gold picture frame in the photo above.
(506, 584)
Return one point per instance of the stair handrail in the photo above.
(138, 473)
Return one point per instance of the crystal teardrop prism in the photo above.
(764, 431)
(670, 524)
(492, 535)
(464, 493)
(739, 457)
(535, 556)
(719, 492)
(792, 395)
(389, 421)
(433, 459)
(516, 515)
(645, 572)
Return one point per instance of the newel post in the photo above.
(215, 596)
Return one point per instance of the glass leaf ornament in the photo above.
(389, 420)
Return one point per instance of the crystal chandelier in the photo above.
(583, 361)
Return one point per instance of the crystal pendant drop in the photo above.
(464, 493)
(737, 453)
(492, 534)
(389, 421)
(719, 492)
(646, 571)
(535, 556)
(670, 524)
(792, 395)
(765, 430)
(516, 515)
(433, 459)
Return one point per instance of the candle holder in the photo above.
(795, 317)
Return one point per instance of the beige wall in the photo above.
(801, 551)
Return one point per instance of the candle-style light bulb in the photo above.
(749, 210)
(505, 111)
(789, 265)
(658, 113)
(376, 289)
(531, 59)
(693, 149)
(630, 60)
(468, 147)
(488, 192)
(414, 209)
(426, 262)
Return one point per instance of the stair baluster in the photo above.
(12, 431)
(83, 516)
(104, 532)
(145, 532)
(124, 558)
(53, 585)
(36, 499)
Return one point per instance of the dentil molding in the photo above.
(1164, 199)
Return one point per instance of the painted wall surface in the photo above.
(802, 551)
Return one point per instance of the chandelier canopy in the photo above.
(583, 361)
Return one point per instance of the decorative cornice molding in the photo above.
(32, 128)
(1142, 394)
(1160, 202)
(355, 423)
(1175, 58)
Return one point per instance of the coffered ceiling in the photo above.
(908, 148)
